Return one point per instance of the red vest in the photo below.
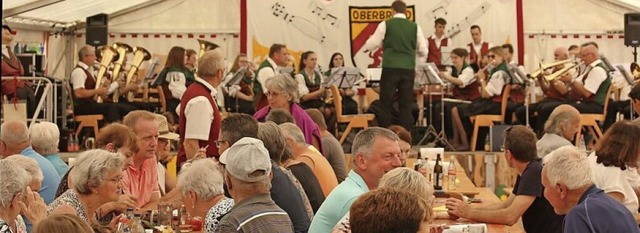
(435, 54)
(473, 57)
(11, 66)
(89, 84)
(195, 90)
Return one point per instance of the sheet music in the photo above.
(625, 75)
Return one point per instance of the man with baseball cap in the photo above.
(11, 66)
(247, 175)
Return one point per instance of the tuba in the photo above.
(109, 54)
(206, 46)
(139, 55)
(122, 50)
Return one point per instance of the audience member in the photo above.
(404, 142)
(15, 140)
(249, 185)
(568, 185)
(62, 223)
(141, 178)
(560, 129)
(199, 113)
(283, 190)
(375, 152)
(31, 166)
(390, 210)
(614, 163)
(401, 178)
(279, 116)
(97, 180)
(527, 200)
(278, 57)
(303, 177)
(16, 197)
(45, 137)
(634, 95)
(331, 148)
(283, 94)
(301, 152)
(200, 184)
(166, 181)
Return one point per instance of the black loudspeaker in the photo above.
(632, 29)
(97, 29)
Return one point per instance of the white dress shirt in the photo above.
(199, 115)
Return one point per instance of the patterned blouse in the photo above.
(70, 198)
(20, 226)
(212, 220)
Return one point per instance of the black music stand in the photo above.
(343, 77)
(427, 74)
(630, 81)
(235, 80)
(519, 77)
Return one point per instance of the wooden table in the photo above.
(465, 186)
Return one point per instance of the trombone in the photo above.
(547, 66)
(560, 67)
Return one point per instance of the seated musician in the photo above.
(239, 98)
(11, 66)
(517, 94)
(349, 105)
(589, 89)
(555, 92)
(491, 92)
(175, 78)
(465, 88)
(85, 90)
(310, 82)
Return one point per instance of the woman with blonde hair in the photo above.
(62, 223)
(401, 178)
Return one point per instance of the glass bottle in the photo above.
(136, 224)
(452, 174)
(437, 173)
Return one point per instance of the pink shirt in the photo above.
(142, 183)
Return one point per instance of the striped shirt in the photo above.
(256, 214)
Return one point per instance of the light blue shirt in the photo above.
(51, 177)
(58, 163)
(338, 203)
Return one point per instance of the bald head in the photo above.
(560, 53)
(589, 53)
(14, 136)
(563, 121)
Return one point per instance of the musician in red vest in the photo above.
(477, 48)
(199, 123)
(12, 67)
(278, 57)
(85, 89)
(439, 43)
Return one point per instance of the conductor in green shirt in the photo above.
(401, 40)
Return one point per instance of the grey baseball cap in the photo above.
(245, 157)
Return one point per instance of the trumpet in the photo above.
(140, 54)
(109, 54)
(547, 66)
(122, 50)
(206, 46)
(560, 72)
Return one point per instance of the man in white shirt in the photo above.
(439, 44)
(85, 89)
(200, 117)
(278, 57)
(401, 41)
(590, 88)
(477, 48)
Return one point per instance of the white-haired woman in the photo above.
(45, 137)
(16, 197)
(400, 178)
(283, 94)
(97, 179)
(31, 166)
(202, 194)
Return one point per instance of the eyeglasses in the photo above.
(273, 94)
(219, 142)
(491, 56)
